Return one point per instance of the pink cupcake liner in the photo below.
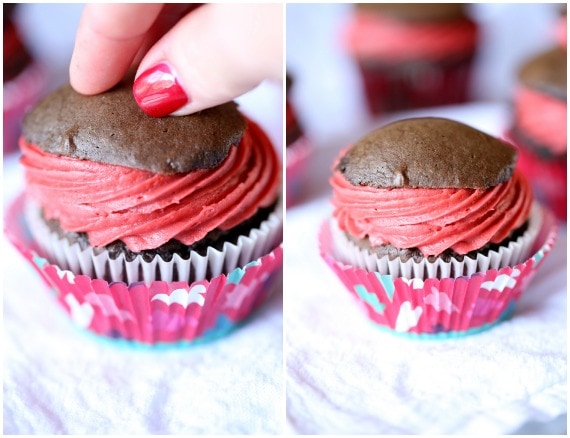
(153, 313)
(297, 156)
(548, 177)
(19, 96)
(448, 307)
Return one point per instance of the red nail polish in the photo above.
(158, 93)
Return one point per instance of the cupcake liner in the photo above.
(98, 262)
(297, 155)
(19, 95)
(418, 84)
(154, 313)
(515, 252)
(441, 308)
(547, 176)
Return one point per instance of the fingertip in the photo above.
(83, 87)
(89, 84)
(213, 64)
(108, 38)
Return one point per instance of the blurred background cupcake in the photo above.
(297, 150)
(539, 123)
(328, 95)
(23, 80)
(412, 55)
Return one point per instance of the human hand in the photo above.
(189, 58)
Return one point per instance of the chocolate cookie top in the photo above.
(110, 128)
(428, 152)
(417, 11)
(546, 72)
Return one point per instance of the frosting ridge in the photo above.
(431, 220)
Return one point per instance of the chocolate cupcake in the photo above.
(412, 55)
(423, 210)
(185, 210)
(539, 126)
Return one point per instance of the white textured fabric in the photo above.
(345, 376)
(58, 380)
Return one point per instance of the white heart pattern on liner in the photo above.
(62, 273)
(416, 283)
(502, 281)
(82, 315)
(440, 301)
(184, 297)
(407, 317)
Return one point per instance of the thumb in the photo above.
(214, 54)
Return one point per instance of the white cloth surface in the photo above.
(345, 376)
(58, 380)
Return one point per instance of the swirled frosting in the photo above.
(541, 117)
(144, 209)
(431, 220)
(369, 35)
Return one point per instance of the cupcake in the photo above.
(412, 55)
(433, 230)
(297, 151)
(152, 230)
(539, 126)
(23, 80)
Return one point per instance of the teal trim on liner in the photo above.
(236, 275)
(442, 336)
(537, 258)
(369, 298)
(223, 328)
(388, 283)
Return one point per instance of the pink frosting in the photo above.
(374, 36)
(431, 220)
(144, 209)
(542, 117)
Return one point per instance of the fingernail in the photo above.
(157, 91)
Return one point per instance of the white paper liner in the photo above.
(98, 264)
(514, 253)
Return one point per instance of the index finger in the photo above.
(108, 38)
